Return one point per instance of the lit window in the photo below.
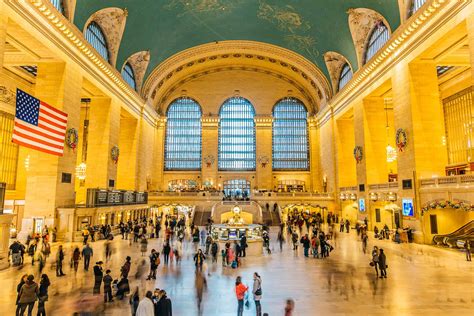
(290, 135)
(58, 4)
(183, 135)
(345, 77)
(129, 76)
(237, 135)
(416, 5)
(96, 38)
(377, 40)
(237, 188)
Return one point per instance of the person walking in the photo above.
(125, 269)
(243, 246)
(281, 239)
(294, 238)
(43, 294)
(365, 238)
(257, 293)
(163, 306)
(240, 290)
(143, 245)
(32, 251)
(134, 301)
(154, 263)
(199, 259)
(467, 248)
(382, 264)
(166, 252)
(146, 306)
(28, 295)
(76, 256)
(306, 244)
(107, 287)
(289, 307)
(23, 280)
(375, 260)
(98, 275)
(87, 253)
(201, 287)
(59, 261)
(214, 251)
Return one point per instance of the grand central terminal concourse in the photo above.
(236, 157)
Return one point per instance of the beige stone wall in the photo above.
(346, 164)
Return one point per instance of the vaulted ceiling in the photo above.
(307, 27)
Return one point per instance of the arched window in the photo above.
(415, 5)
(129, 76)
(95, 36)
(377, 39)
(290, 135)
(237, 135)
(183, 135)
(58, 4)
(345, 77)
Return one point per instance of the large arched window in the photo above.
(416, 5)
(129, 76)
(377, 40)
(290, 135)
(345, 77)
(95, 36)
(58, 4)
(183, 135)
(237, 135)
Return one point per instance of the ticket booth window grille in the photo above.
(183, 135)
(237, 188)
(237, 144)
(290, 135)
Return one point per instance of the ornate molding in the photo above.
(262, 52)
(361, 22)
(112, 21)
(334, 63)
(139, 62)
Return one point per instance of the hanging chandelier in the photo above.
(81, 171)
(391, 152)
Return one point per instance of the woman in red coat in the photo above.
(240, 290)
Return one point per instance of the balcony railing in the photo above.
(348, 189)
(253, 196)
(463, 180)
(384, 186)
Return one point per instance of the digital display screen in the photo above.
(232, 234)
(361, 205)
(407, 207)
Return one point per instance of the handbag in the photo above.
(371, 263)
(258, 292)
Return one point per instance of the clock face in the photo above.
(236, 210)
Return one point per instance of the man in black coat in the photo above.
(243, 246)
(163, 306)
(98, 274)
(108, 287)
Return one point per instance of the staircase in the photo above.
(200, 218)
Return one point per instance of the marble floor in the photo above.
(421, 280)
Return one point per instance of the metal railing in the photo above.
(447, 181)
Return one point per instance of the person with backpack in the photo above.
(214, 250)
(154, 263)
(240, 290)
(257, 293)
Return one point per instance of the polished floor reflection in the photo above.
(421, 280)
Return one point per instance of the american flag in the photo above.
(39, 125)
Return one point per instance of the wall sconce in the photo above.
(373, 196)
(353, 196)
(391, 196)
(342, 197)
(81, 172)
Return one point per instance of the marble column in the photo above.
(5, 222)
(59, 85)
(159, 156)
(318, 181)
(128, 163)
(263, 127)
(145, 154)
(210, 151)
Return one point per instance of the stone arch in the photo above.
(139, 62)
(334, 63)
(361, 23)
(112, 22)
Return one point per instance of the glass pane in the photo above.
(346, 76)
(183, 135)
(129, 76)
(290, 136)
(96, 38)
(377, 40)
(237, 135)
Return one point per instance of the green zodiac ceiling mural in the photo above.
(307, 27)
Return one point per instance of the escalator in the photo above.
(456, 238)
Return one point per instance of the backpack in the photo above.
(157, 261)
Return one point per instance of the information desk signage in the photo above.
(102, 197)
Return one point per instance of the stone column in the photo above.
(5, 222)
(60, 86)
(470, 36)
(263, 128)
(418, 111)
(159, 156)
(361, 167)
(145, 154)
(127, 169)
(317, 180)
(346, 165)
(104, 129)
(210, 151)
(328, 153)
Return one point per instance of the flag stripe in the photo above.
(27, 143)
(36, 136)
(38, 130)
(54, 115)
(58, 112)
(52, 122)
(51, 128)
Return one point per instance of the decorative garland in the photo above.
(401, 139)
(441, 204)
(358, 154)
(115, 153)
(72, 138)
